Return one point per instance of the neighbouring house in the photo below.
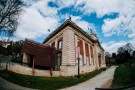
(71, 42)
(4, 44)
(4, 47)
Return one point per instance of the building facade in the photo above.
(72, 43)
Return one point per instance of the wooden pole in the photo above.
(33, 72)
(51, 71)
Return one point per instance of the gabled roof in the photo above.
(66, 23)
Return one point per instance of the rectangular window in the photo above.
(87, 60)
(58, 61)
(91, 61)
(80, 44)
(87, 54)
(92, 57)
(81, 63)
(60, 44)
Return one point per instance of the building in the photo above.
(4, 44)
(67, 38)
(71, 43)
(5, 47)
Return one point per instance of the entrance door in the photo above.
(58, 61)
(30, 60)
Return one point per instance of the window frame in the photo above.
(60, 40)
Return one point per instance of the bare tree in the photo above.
(9, 14)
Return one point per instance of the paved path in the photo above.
(95, 82)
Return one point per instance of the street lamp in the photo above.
(78, 55)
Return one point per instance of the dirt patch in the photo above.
(108, 84)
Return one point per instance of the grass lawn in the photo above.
(124, 76)
(45, 83)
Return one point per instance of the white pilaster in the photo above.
(89, 54)
(56, 43)
(84, 50)
(76, 42)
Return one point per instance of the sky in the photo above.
(111, 20)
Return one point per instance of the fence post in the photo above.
(51, 71)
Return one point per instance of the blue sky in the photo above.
(112, 20)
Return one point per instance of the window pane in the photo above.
(87, 61)
(59, 44)
(81, 63)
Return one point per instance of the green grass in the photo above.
(124, 76)
(45, 83)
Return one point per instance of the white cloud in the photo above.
(99, 7)
(63, 3)
(43, 7)
(112, 46)
(83, 24)
(132, 42)
(122, 25)
(33, 24)
(80, 22)
(28, 2)
(39, 17)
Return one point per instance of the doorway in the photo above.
(58, 61)
(30, 60)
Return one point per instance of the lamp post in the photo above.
(78, 68)
(78, 54)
